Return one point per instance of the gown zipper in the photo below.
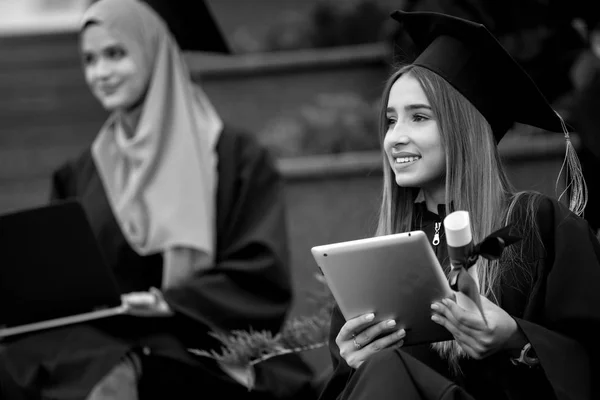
(436, 235)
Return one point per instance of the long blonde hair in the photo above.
(475, 179)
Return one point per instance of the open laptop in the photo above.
(52, 272)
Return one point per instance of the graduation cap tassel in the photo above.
(575, 186)
(464, 253)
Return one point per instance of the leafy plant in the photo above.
(246, 348)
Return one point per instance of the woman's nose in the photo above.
(398, 135)
(102, 69)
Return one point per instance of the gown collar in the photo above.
(421, 208)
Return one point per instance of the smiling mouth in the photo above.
(405, 160)
(108, 90)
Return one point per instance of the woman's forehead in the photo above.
(407, 91)
(97, 35)
(125, 21)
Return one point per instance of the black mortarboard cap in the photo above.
(193, 25)
(470, 58)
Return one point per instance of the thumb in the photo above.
(486, 302)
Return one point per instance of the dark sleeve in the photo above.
(564, 303)
(250, 285)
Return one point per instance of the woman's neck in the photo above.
(130, 119)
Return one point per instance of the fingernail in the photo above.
(435, 306)
(401, 333)
(370, 316)
(391, 322)
(434, 318)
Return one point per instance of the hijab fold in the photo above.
(160, 179)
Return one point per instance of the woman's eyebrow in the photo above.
(416, 107)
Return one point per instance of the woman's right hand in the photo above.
(147, 304)
(358, 340)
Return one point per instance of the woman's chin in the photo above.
(109, 105)
(112, 104)
(406, 181)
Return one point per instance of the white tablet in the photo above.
(393, 276)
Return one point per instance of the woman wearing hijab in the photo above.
(536, 333)
(189, 214)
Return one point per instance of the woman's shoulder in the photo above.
(540, 203)
(549, 212)
(243, 139)
(244, 145)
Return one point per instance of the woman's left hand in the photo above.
(147, 304)
(469, 329)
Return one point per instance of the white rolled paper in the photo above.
(458, 229)
(457, 226)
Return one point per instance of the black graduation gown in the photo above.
(554, 300)
(249, 286)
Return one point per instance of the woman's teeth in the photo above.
(403, 160)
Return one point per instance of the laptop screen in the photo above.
(51, 266)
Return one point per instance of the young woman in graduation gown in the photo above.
(189, 215)
(442, 118)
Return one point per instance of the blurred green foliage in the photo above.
(329, 23)
(333, 123)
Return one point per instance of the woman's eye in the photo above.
(115, 53)
(88, 59)
(390, 121)
(419, 118)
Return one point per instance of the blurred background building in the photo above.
(18, 17)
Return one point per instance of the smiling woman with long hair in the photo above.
(441, 120)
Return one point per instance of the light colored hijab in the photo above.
(161, 181)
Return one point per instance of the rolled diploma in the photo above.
(457, 226)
